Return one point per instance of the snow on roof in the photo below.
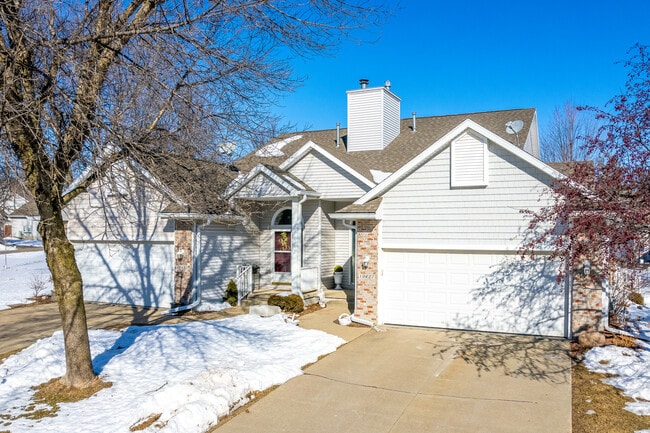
(275, 149)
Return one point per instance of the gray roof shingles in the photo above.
(400, 151)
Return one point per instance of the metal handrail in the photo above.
(244, 281)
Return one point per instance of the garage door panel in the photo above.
(487, 292)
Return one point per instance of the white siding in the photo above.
(222, 248)
(373, 118)
(124, 208)
(391, 126)
(261, 186)
(328, 244)
(343, 251)
(423, 211)
(311, 234)
(327, 178)
(134, 273)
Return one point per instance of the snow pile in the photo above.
(192, 373)
(22, 272)
(206, 305)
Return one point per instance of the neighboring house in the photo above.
(23, 222)
(424, 215)
(19, 213)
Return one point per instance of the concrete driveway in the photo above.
(407, 380)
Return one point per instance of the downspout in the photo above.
(197, 281)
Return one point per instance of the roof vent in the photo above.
(364, 82)
(387, 84)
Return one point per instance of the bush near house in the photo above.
(288, 304)
(231, 293)
(636, 297)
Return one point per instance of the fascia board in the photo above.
(354, 216)
(310, 145)
(400, 174)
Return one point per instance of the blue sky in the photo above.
(464, 56)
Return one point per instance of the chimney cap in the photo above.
(364, 82)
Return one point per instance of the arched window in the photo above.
(282, 240)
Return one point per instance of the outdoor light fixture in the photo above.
(366, 262)
(179, 254)
(586, 267)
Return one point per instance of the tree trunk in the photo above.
(68, 288)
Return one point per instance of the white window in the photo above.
(469, 161)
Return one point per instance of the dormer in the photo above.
(373, 117)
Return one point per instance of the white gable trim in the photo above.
(289, 185)
(309, 146)
(444, 141)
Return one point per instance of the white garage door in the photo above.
(133, 273)
(485, 292)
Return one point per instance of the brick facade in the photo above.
(587, 301)
(367, 247)
(183, 259)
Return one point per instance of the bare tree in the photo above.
(85, 83)
(566, 134)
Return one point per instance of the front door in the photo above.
(282, 246)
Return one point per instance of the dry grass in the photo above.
(48, 396)
(598, 407)
(53, 392)
(141, 425)
(4, 356)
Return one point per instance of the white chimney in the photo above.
(373, 117)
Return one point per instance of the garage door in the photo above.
(484, 292)
(133, 273)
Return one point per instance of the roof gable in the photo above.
(265, 182)
(443, 142)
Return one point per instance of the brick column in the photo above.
(587, 301)
(366, 293)
(183, 259)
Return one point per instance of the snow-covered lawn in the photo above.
(19, 272)
(191, 373)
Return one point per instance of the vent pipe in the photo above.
(414, 127)
(364, 82)
(338, 133)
